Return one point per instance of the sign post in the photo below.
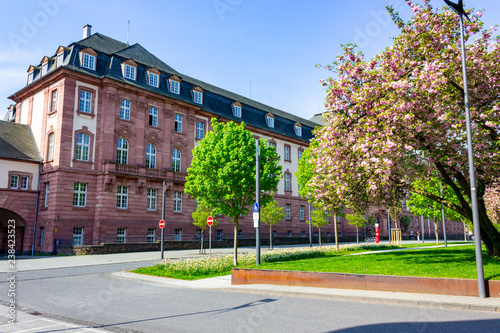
(210, 221)
(377, 234)
(163, 218)
(256, 217)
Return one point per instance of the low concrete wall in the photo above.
(458, 287)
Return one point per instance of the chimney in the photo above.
(86, 31)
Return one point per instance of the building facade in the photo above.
(113, 122)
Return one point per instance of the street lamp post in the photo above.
(475, 215)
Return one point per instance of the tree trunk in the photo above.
(336, 234)
(270, 237)
(236, 242)
(436, 231)
(319, 237)
(465, 232)
(201, 251)
(357, 235)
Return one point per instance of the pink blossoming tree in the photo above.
(399, 117)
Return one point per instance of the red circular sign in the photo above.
(210, 220)
(162, 224)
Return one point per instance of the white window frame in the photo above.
(79, 194)
(60, 59)
(151, 237)
(237, 111)
(272, 144)
(24, 183)
(200, 130)
(177, 202)
(270, 121)
(151, 199)
(50, 148)
(288, 209)
(88, 61)
(31, 77)
(125, 109)
(53, 102)
(287, 153)
(198, 97)
(77, 236)
(130, 72)
(178, 123)
(298, 130)
(287, 178)
(153, 116)
(302, 210)
(150, 156)
(85, 101)
(153, 79)
(14, 182)
(45, 68)
(82, 147)
(122, 152)
(299, 153)
(174, 86)
(122, 197)
(42, 232)
(178, 234)
(46, 201)
(121, 235)
(176, 160)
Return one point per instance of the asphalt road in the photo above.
(91, 296)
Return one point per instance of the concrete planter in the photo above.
(441, 286)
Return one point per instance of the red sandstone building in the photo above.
(113, 122)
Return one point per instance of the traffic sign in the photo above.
(210, 221)
(256, 207)
(162, 224)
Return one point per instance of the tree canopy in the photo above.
(271, 214)
(398, 117)
(222, 172)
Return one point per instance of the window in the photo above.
(45, 67)
(298, 129)
(198, 234)
(302, 212)
(125, 109)
(174, 86)
(151, 235)
(85, 101)
(177, 201)
(79, 194)
(197, 97)
(270, 121)
(289, 233)
(53, 103)
(14, 182)
(121, 234)
(82, 147)
(130, 72)
(150, 156)
(151, 201)
(153, 116)
(200, 130)
(88, 61)
(300, 152)
(219, 235)
(46, 203)
(77, 236)
(122, 197)
(237, 111)
(240, 233)
(24, 182)
(178, 123)
(42, 232)
(288, 208)
(303, 234)
(287, 181)
(153, 80)
(287, 153)
(177, 234)
(176, 160)
(272, 144)
(31, 75)
(122, 151)
(50, 148)
(325, 216)
(60, 59)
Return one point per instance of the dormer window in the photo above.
(198, 95)
(60, 59)
(236, 109)
(31, 75)
(153, 77)
(298, 129)
(45, 68)
(129, 69)
(87, 58)
(174, 84)
(270, 120)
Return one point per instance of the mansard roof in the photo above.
(17, 142)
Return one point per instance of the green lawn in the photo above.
(451, 262)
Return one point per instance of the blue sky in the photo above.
(265, 50)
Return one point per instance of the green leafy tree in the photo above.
(356, 220)
(370, 221)
(318, 220)
(200, 216)
(271, 214)
(222, 172)
(405, 222)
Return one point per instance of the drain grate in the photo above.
(35, 313)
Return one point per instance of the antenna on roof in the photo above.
(128, 31)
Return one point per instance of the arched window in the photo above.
(50, 148)
(82, 147)
(122, 151)
(150, 156)
(176, 160)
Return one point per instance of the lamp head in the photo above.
(458, 7)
